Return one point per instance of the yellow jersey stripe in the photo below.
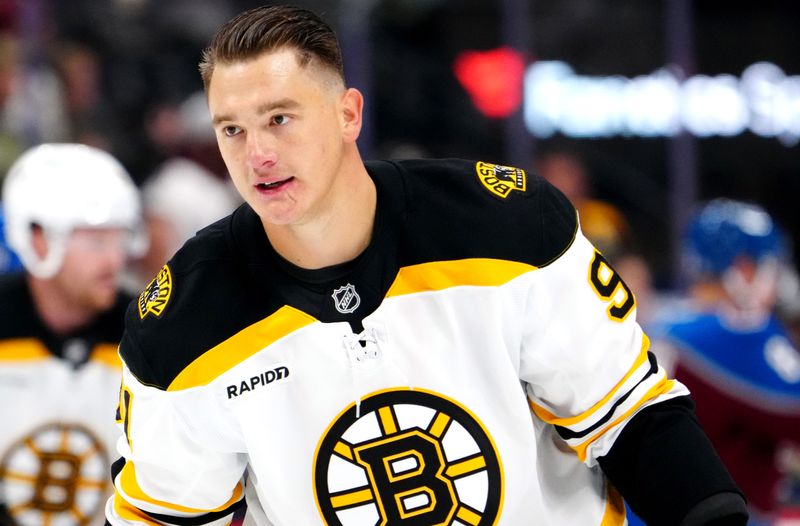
(130, 487)
(664, 386)
(245, 343)
(614, 514)
(439, 275)
(550, 418)
(23, 350)
(107, 354)
(129, 512)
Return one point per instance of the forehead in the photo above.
(272, 74)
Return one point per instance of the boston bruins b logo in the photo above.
(56, 475)
(412, 458)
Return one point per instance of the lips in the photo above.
(272, 186)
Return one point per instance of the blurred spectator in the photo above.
(732, 351)
(602, 223)
(71, 215)
(90, 118)
(32, 100)
(636, 273)
(179, 199)
(9, 65)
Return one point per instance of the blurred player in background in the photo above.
(601, 222)
(71, 214)
(732, 352)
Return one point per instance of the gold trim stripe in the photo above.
(245, 343)
(664, 386)
(107, 354)
(23, 350)
(129, 512)
(439, 275)
(130, 486)
(550, 418)
(614, 515)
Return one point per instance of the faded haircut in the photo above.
(269, 28)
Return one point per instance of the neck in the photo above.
(339, 233)
(58, 313)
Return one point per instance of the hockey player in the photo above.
(70, 211)
(732, 352)
(395, 343)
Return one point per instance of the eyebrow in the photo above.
(284, 104)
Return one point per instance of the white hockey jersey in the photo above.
(467, 369)
(58, 396)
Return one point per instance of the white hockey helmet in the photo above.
(60, 187)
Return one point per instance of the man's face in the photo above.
(93, 261)
(281, 129)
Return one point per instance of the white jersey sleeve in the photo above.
(171, 474)
(585, 361)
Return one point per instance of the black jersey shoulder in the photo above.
(211, 292)
(20, 319)
(458, 209)
(109, 325)
(17, 315)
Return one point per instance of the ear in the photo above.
(38, 241)
(352, 107)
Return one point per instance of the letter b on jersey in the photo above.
(406, 470)
(408, 457)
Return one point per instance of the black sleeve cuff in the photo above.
(668, 472)
(722, 509)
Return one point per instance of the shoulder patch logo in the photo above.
(501, 180)
(155, 296)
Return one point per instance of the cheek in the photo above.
(230, 154)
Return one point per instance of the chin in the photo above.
(278, 217)
(101, 300)
(103, 303)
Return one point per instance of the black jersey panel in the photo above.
(451, 214)
(229, 277)
(19, 319)
(17, 316)
(213, 293)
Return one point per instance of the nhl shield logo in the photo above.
(346, 299)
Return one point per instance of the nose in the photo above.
(115, 253)
(260, 151)
(116, 260)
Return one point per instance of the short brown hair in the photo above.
(269, 28)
